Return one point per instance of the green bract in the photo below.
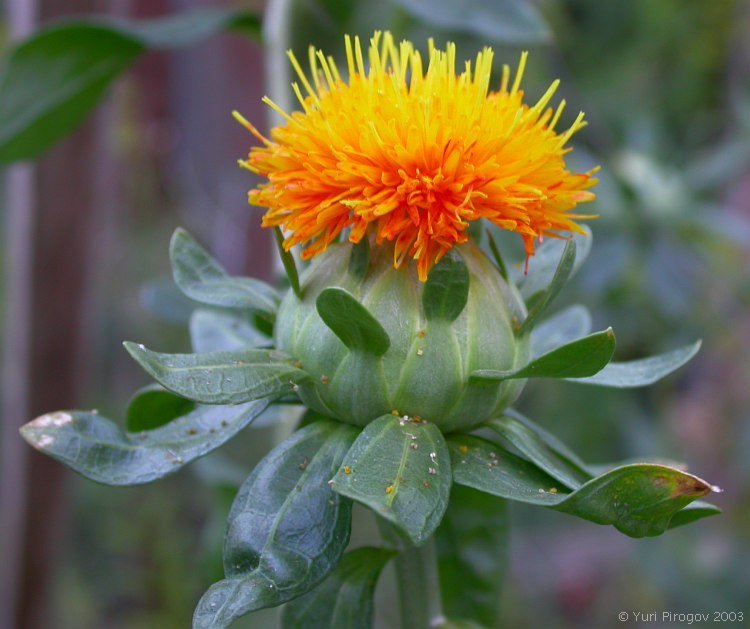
(383, 342)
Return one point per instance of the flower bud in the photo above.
(425, 372)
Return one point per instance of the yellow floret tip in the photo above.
(414, 155)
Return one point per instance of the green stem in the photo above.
(417, 580)
(419, 587)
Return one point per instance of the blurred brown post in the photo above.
(48, 347)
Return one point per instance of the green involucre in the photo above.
(425, 370)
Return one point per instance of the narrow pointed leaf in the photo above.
(153, 406)
(472, 547)
(221, 377)
(401, 470)
(538, 302)
(577, 359)
(694, 511)
(566, 326)
(203, 279)
(554, 444)
(287, 529)
(352, 322)
(359, 261)
(639, 500)
(100, 450)
(546, 260)
(213, 331)
(533, 448)
(54, 78)
(345, 599)
(643, 372)
(490, 468)
(447, 288)
(497, 256)
(287, 259)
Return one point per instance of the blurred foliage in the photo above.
(665, 88)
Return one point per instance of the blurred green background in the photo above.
(665, 85)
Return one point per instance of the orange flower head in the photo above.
(414, 155)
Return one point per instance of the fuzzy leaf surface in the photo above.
(401, 470)
(642, 372)
(577, 359)
(639, 500)
(221, 377)
(203, 279)
(100, 450)
(287, 529)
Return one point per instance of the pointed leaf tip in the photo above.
(641, 372)
(577, 359)
(203, 279)
(287, 260)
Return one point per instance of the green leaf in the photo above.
(534, 448)
(567, 325)
(212, 331)
(694, 511)
(203, 279)
(345, 599)
(643, 372)
(152, 406)
(506, 22)
(496, 256)
(359, 261)
(490, 468)
(538, 302)
(98, 449)
(400, 469)
(54, 78)
(472, 546)
(639, 500)
(352, 322)
(221, 377)
(447, 288)
(545, 262)
(287, 529)
(287, 259)
(554, 444)
(577, 359)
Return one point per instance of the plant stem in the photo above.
(417, 579)
(419, 586)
